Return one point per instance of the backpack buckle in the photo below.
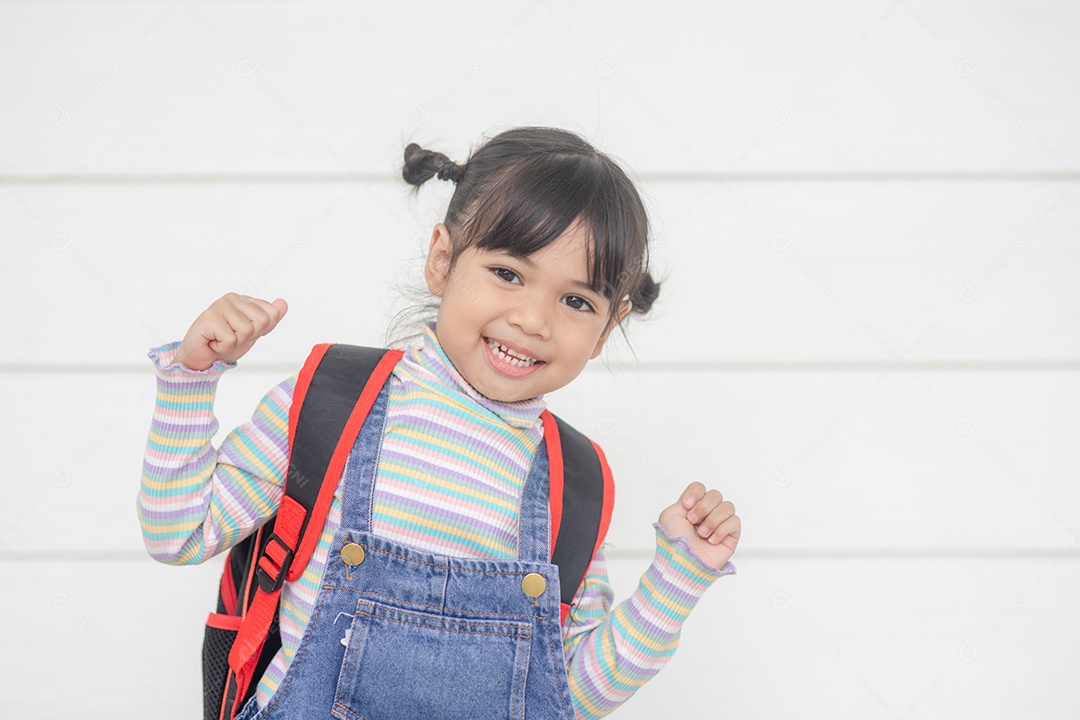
(278, 565)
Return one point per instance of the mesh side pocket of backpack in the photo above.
(218, 640)
(234, 597)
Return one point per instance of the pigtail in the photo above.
(421, 165)
(645, 294)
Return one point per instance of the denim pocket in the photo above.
(409, 664)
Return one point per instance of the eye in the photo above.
(505, 274)
(578, 303)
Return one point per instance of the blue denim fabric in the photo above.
(408, 634)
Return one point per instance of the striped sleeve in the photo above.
(612, 653)
(194, 500)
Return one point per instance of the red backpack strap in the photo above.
(334, 392)
(581, 499)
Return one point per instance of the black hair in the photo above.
(524, 187)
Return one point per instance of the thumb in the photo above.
(281, 305)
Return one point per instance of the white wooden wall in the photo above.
(868, 216)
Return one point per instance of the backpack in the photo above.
(335, 390)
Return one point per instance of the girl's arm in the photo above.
(611, 653)
(194, 500)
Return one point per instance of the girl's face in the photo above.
(538, 308)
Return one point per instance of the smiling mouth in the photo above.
(511, 357)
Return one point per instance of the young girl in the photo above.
(543, 251)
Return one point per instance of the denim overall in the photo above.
(400, 634)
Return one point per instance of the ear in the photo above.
(623, 309)
(437, 266)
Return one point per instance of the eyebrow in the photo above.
(528, 262)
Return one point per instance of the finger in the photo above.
(264, 315)
(723, 512)
(221, 338)
(732, 526)
(699, 510)
(693, 492)
(710, 512)
(241, 325)
(217, 330)
(703, 513)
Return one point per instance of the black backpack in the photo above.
(334, 392)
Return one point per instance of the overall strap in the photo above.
(333, 394)
(582, 496)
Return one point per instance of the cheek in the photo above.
(469, 290)
(584, 345)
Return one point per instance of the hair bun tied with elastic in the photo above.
(448, 170)
(422, 165)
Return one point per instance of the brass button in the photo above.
(352, 554)
(533, 584)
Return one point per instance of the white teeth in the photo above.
(509, 356)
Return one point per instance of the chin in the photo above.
(506, 397)
(510, 395)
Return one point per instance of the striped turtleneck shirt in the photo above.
(449, 481)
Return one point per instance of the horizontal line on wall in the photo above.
(649, 177)
(878, 554)
(614, 553)
(832, 365)
(659, 366)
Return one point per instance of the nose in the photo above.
(532, 315)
